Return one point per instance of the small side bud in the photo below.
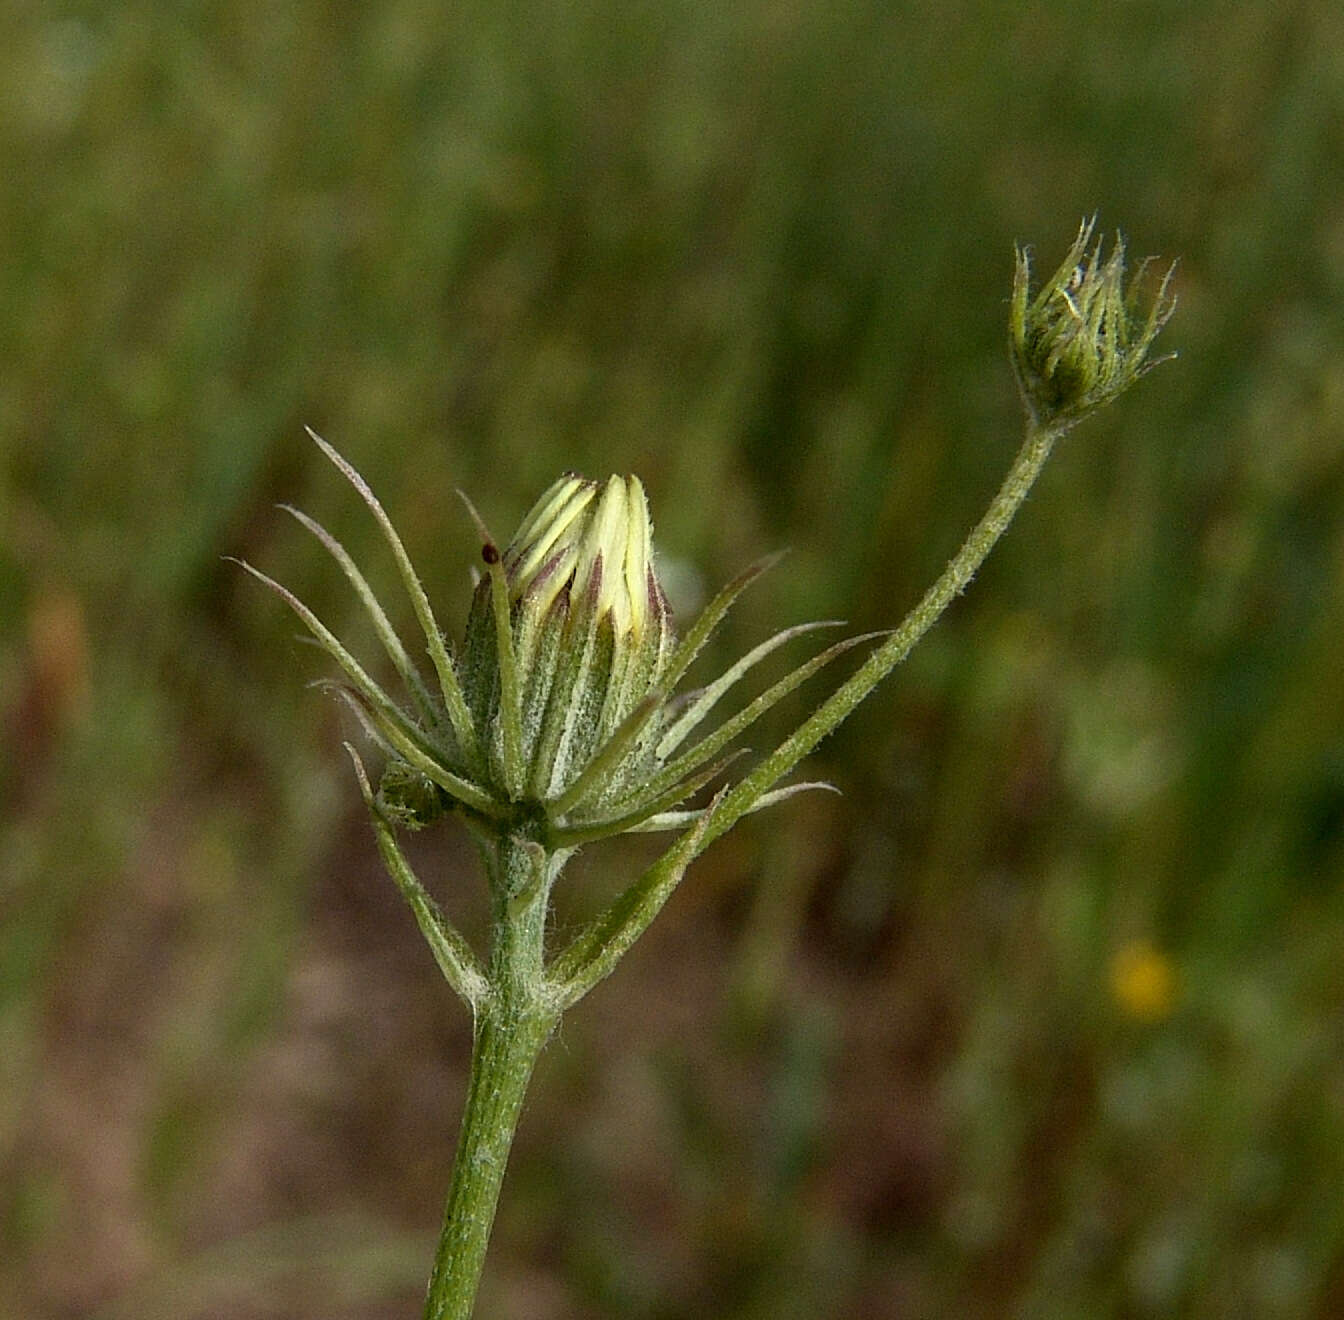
(408, 798)
(1084, 338)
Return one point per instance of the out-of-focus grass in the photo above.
(870, 1061)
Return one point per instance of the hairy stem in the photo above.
(734, 804)
(513, 1022)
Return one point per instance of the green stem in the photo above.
(734, 804)
(597, 949)
(513, 1022)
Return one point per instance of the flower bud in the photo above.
(555, 725)
(589, 633)
(1084, 338)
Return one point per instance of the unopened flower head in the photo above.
(588, 627)
(1085, 337)
(591, 542)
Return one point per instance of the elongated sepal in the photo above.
(382, 627)
(373, 695)
(590, 828)
(606, 757)
(503, 736)
(675, 820)
(406, 796)
(397, 744)
(397, 730)
(451, 952)
(594, 761)
(710, 617)
(713, 743)
(454, 703)
(703, 701)
(513, 765)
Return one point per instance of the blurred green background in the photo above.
(1043, 1017)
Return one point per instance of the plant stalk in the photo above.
(513, 1023)
(737, 801)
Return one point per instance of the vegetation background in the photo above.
(1042, 1018)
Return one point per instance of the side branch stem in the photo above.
(954, 579)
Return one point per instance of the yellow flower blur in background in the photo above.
(1143, 981)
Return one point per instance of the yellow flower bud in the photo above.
(590, 633)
